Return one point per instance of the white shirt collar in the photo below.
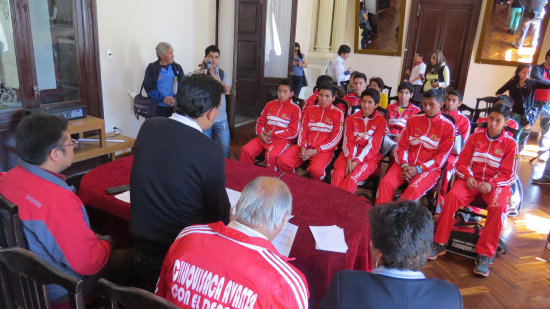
(340, 59)
(245, 229)
(186, 120)
(398, 273)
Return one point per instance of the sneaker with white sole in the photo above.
(482, 265)
(437, 250)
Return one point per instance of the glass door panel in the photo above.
(55, 55)
(277, 38)
(10, 95)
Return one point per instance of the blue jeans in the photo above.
(219, 132)
(515, 17)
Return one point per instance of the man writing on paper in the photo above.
(237, 256)
(178, 175)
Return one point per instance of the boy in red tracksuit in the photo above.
(421, 152)
(354, 99)
(487, 166)
(362, 140)
(400, 112)
(312, 100)
(320, 132)
(462, 126)
(276, 128)
(512, 123)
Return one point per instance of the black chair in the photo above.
(300, 102)
(386, 87)
(11, 228)
(482, 106)
(130, 297)
(24, 277)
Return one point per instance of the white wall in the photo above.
(131, 29)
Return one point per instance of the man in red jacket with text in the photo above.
(362, 140)
(276, 128)
(421, 152)
(487, 166)
(353, 99)
(236, 266)
(400, 112)
(320, 132)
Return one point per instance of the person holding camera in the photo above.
(219, 131)
(161, 77)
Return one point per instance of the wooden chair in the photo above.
(130, 297)
(386, 87)
(24, 277)
(11, 229)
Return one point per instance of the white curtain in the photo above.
(277, 38)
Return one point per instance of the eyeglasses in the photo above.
(74, 142)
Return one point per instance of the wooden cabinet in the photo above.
(102, 145)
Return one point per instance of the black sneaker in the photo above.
(541, 181)
(482, 265)
(437, 250)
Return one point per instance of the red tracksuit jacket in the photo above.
(426, 142)
(352, 100)
(215, 266)
(462, 124)
(396, 120)
(321, 128)
(280, 117)
(489, 160)
(363, 137)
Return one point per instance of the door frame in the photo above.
(412, 34)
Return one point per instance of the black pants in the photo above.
(298, 84)
(148, 258)
(164, 111)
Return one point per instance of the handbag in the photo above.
(144, 106)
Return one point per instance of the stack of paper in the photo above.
(284, 240)
(329, 238)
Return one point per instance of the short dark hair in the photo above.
(344, 49)
(547, 54)
(198, 94)
(211, 48)
(378, 81)
(37, 134)
(506, 100)
(421, 54)
(405, 85)
(501, 109)
(322, 79)
(434, 93)
(403, 233)
(457, 93)
(328, 86)
(286, 82)
(360, 75)
(375, 95)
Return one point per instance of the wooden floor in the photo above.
(386, 38)
(518, 279)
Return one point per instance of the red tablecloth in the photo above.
(314, 203)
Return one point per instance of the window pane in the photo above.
(53, 37)
(277, 38)
(9, 77)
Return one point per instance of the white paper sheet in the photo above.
(329, 238)
(234, 196)
(284, 240)
(124, 196)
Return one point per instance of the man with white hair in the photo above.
(236, 266)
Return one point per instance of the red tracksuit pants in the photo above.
(255, 147)
(290, 160)
(349, 183)
(449, 172)
(460, 195)
(418, 185)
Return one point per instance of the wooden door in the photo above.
(248, 64)
(446, 25)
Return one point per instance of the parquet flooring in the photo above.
(518, 279)
(386, 38)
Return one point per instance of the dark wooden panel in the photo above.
(428, 20)
(247, 52)
(252, 12)
(455, 29)
(247, 89)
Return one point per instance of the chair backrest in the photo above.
(11, 228)
(300, 102)
(482, 106)
(386, 87)
(130, 297)
(24, 277)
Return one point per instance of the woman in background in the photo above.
(522, 89)
(378, 84)
(438, 74)
(299, 63)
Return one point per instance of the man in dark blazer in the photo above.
(401, 236)
(178, 175)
